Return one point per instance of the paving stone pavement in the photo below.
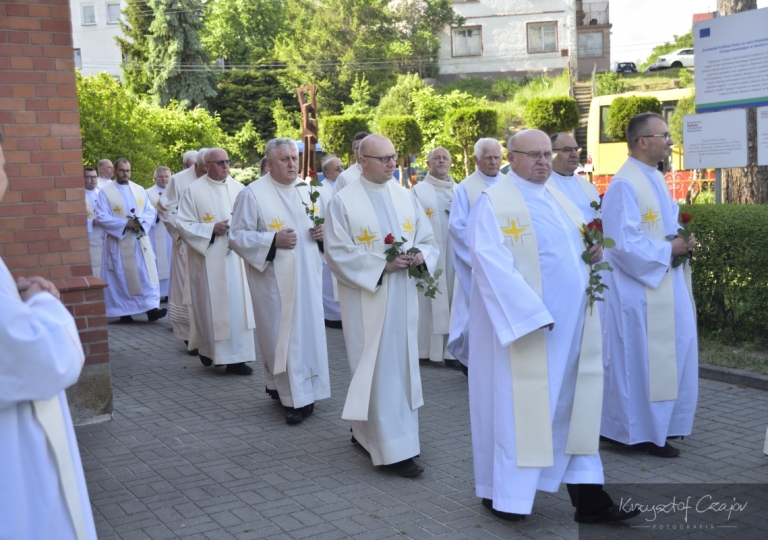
(193, 453)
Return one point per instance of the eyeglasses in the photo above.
(124, 170)
(665, 136)
(91, 177)
(536, 156)
(568, 150)
(384, 159)
(220, 162)
(338, 169)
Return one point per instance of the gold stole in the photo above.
(441, 310)
(528, 354)
(159, 230)
(367, 234)
(660, 302)
(127, 249)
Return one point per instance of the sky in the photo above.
(640, 25)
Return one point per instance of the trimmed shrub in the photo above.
(337, 132)
(623, 109)
(552, 115)
(610, 83)
(405, 134)
(467, 125)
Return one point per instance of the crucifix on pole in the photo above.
(309, 129)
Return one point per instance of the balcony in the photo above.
(592, 13)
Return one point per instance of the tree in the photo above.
(361, 98)
(552, 115)
(610, 83)
(748, 184)
(623, 109)
(287, 124)
(679, 42)
(405, 134)
(134, 47)
(397, 101)
(176, 56)
(469, 124)
(337, 132)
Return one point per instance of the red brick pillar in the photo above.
(42, 216)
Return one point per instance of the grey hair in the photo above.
(200, 157)
(325, 161)
(161, 168)
(485, 142)
(280, 142)
(192, 154)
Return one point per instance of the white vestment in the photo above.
(503, 308)
(458, 342)
(179, 296)
(331, 309)
(639, 262)
(436, 197)
(256, 220)
(223, 316)
(42, 356)
(391, 433)
(95, 233)
(351, 174)
(103, 182)
(576, 188)
(160, 238)
(117, 297)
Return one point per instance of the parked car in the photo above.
(653, 67)
(624, 67)
(677, 59)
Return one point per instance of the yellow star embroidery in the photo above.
(276, 225)
(208, 218)
(366, 237)
(429, 212)
(514, 230)
(650, 217)
(140, 202)
(89, 214)
(118, 209)
(407, 226)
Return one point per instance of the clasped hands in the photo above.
(132, 225)
(401, 262)
(29, 287)
(286, 238)
(681, 247)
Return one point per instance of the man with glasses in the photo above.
(124, 211)
(488, 156)
(354, 171)
(564, 164)
(379, 304)
(650, 345)
(223, 316)
(95, 233)
(332, 168)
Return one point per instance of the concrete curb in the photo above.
(733, 376)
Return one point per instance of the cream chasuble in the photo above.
(351, 174)
(223, 315)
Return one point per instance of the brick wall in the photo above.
(42, 216)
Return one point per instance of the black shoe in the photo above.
(464, 369)
(155, 314)
(612, 513)
(333, 324)
(606, 439)
(126, 319)
(239, 369)
(666, 451)
(453, 364)
(506, 516)
(272, 393)
(193, 352)
(293, 416)
(306, 410)
(207, 362)
(163, 299)
(406, 468)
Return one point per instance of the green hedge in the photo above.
(337, 132)
(730, 270)
(552, 115)
(623, 109)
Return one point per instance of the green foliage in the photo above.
(730, 269)
(405, 134)
(468, 124)
(244, 175)
(610, 83)
(134, 47)
(552, 115)
(287, 124)
(246, 146)
(337, 132)
(684, 106)
(623, 109)
(679, 42)
(361, 98)
(686, 78)
(397, 101)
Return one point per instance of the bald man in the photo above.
(106, 171)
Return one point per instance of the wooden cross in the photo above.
(309, 130)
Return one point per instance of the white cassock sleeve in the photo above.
(113, 226)
(195, 234)
(425, 236)
(640, 257)
(513, 307)
(149, 217)
(248, 234)
(457, 231)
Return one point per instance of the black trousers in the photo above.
(588, 498)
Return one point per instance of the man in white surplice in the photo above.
(332, 168)
(578, 189)
(379, 305)
(273, 234)
(223, 316)
(106, 170)
(128, 263)
(487, 156)
(435, 193)
(535, 366)
(42, 488)
(353, 172)
(650, 347)
(95, 233)
(162, 243)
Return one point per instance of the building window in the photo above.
(113, 13)
(88, 14)
(78, 59)
(542, 37)
(467, 41)
(591, 45)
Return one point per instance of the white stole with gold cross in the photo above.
(528, 354)
(366, 233)
(126, 245)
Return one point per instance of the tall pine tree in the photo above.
(134, 25)
(176, 57)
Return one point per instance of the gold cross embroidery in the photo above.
(407, 226)
(429, 212)
(140, 202)
(276, 225)
(208, 218)
(311, 375)
(366, 237)
(118, 209)
(650, 217)
(514, 230)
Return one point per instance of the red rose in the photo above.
(685, 218)
(133, 210)
(594, 226)
(312, 173)
(389, 239)
(601, 197)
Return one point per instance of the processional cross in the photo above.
(309, 129)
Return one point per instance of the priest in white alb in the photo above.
(106, 171)
(488, 156)
(353, 172)
(535, 382)
(379, 305)
(95, 233)
(273, 234)
(162, 243)
(578, 189)
(651, 345)
(128, 266)
(332, 168)
(435, 193)
(223, 313)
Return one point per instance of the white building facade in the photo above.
(94, 28)
(509, 38)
